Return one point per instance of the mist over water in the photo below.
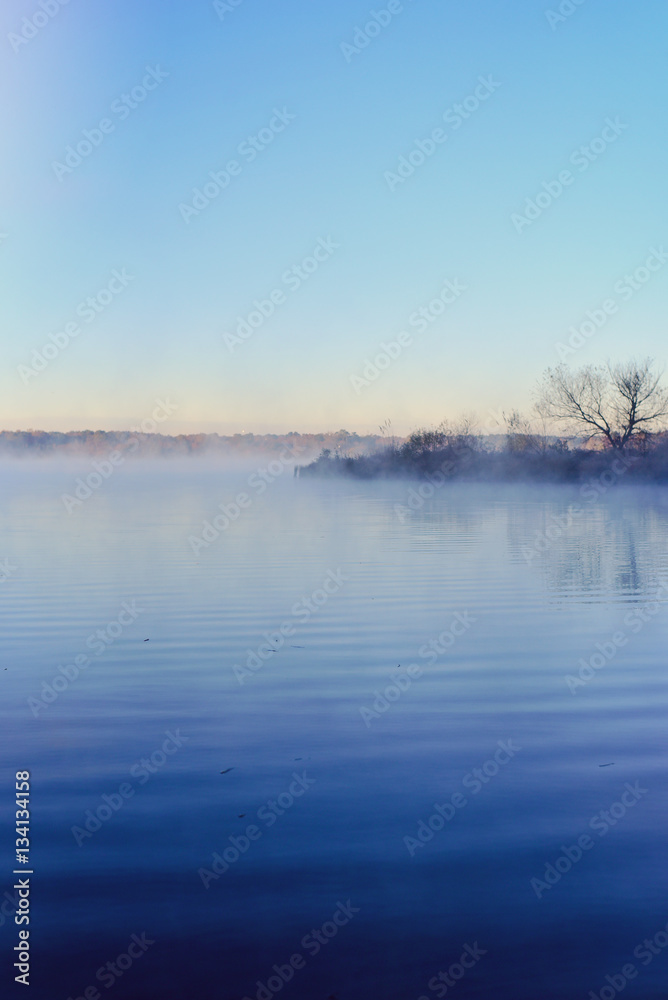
(365, 661)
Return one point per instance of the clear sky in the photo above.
(335, 97)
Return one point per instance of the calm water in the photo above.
(339, 855)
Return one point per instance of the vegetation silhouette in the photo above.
(610, 417)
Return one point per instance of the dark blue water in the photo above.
(318, 865)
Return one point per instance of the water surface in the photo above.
(370, 726)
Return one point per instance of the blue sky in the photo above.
(220, 77)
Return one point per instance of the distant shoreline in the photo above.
(36, 443)
(474, 463)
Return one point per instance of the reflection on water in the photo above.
(335, 744)
(612, 547)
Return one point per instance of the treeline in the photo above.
(99, 443)
(614, 416)
(520, 457)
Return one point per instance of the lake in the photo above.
(335, 739)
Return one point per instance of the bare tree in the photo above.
(462, 435)
(387, 433)
(543, 420)
(422, 441)
(519, 434)
(618, 403)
